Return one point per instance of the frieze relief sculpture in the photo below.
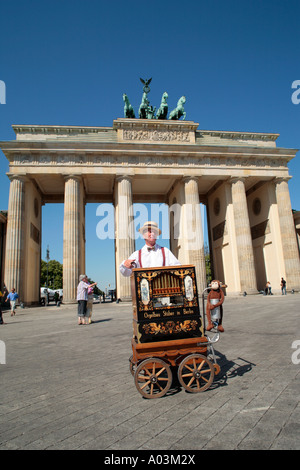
(155, 135)
(107, 160)
(148, 112)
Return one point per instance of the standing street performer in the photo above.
(151, 255)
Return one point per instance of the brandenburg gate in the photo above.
(241, 177)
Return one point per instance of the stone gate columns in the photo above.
(243, 237)
(193, 231)
(124, 232)
(73, 240)
(14, 256)
(288, 235)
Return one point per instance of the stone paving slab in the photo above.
(66, 386)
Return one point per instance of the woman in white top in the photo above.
(82, 298)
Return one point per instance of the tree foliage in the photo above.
(207, 264)
(55, 274)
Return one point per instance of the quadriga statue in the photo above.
(128, 109)
(179, 110)
(163, 109)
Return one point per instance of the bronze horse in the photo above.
(128, 109)
(179, 110)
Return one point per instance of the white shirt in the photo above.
(150, 259)
(82, 289)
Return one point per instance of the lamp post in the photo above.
(47, 258)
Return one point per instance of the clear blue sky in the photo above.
(68, 62)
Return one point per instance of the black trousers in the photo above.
(82, 308)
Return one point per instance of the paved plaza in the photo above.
(66, 386)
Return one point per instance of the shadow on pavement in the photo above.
(230, 369)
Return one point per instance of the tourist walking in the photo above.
(1, 317)
(12, 298)
(283, 286)
(268, 288)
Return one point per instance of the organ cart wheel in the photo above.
(153, 378)
(217, 369)
(132, 366)
(196, 373)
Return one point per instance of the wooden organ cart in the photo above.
(168, 332)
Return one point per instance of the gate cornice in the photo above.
(171, 147)
(12, 147)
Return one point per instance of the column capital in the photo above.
(281, 179)
(121, 177)
(236, 179)
(17, 176)
(73, 176)
(187, 178)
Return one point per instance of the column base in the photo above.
(249, 292)
(28, 304)
(127, 299)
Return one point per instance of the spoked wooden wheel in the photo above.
(196, 373)
(132, 366)
(153, 378)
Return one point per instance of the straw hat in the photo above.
(152, 225)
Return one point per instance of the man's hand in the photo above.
(128, 263)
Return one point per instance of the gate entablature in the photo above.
(131, 145)
(163, 161)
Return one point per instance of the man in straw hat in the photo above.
(151, 255)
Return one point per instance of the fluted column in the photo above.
(72, 239)
(243, 237)
(124, 232)
(288, 234)
(193, 230)
(14, 255)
